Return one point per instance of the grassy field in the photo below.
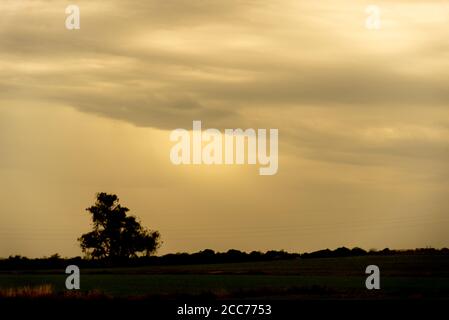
(402, 277)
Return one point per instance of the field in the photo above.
(402, 277)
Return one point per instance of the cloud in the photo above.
(224, 62)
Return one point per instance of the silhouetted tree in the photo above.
(116, 235)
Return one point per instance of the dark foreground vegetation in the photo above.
(420, 274)
(207, 256)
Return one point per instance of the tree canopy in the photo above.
(115, 234)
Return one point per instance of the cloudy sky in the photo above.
(363, 119)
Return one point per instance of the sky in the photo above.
(362, 114)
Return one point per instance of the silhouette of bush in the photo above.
(206, 256)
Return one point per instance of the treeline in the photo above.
(203, 257)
